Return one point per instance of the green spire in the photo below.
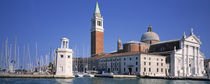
(97, 10)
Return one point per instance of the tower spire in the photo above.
(191, 32)
(97, 10)
(184, 36)
(119, 43)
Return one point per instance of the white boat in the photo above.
(88, 75)
(79, 75)
(91, 75)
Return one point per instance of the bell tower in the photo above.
(97, 33)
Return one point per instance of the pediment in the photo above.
(193, 39)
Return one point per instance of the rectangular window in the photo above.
(136, 63)
(136, 69)
(144, 58)
(149, 63)
(161, 59)
(149, 69)
(144, 63)
(161, 69)
(157, 64)
(69, 56)
(124, 63)
(124, 69)
(130, 58)
(136, 58)
(144, 69)
(157, 59)
(124, 58)
(61, 56)
(161, 64)
(149, 58)
(157, 69)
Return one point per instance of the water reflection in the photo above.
(97, 81)
(64, 81)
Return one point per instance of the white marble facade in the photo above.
(64, 60)
(188, 61)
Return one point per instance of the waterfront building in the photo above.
(148, 57)
(64, 60)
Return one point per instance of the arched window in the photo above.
(99, 23)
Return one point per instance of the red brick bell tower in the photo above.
(97, 33)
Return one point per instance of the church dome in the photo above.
(150, 35)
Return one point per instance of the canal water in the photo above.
(97, 81)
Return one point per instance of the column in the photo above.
(195, 55)
(183, 60)
(187, 60)
(67, 44)
(198, 72)
(64, 44)
(61, 44)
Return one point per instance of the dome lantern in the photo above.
(150, 36)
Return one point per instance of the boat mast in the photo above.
(50, 55)
(36, 56)
(46, 59)
(15, 53)
(87, 57)
(10, 57)
(76, 58)
(83, 57)
(41, 63)
(29, 58)
(2, 63)
(6, 55)
(24, 56)
(18, 57)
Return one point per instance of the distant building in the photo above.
(64, 60)
(149, 56)
(207, 67)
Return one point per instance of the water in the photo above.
(97, 81)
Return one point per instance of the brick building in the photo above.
(149, 56)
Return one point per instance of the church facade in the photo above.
(188, 60)
(147, 57)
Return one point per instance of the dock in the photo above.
(116, 76)
(103, 76)
(175, 78)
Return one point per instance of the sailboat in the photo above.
(87, 74)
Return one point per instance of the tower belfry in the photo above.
(97, 32)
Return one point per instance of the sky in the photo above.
(45, 22)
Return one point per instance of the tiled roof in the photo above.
(165, 41)
(116, 54)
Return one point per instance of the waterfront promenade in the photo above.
(101, 76)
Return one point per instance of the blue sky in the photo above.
(45, 22)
